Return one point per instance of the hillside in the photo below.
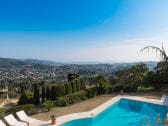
(28, 71)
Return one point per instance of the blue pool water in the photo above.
(126, 113)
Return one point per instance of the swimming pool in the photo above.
(126, 113)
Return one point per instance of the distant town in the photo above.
(15, 71)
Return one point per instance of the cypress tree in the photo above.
(43, 94)
(73, 86)
(68, 88)
(82, 84)
(53, 93)
(77, 85)
(47, 93)
(36, 95)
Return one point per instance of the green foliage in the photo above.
(28, 108)
(71, 77)
(134, 75)
(52, 117)
(72, 98)
(145, 89)
(165, 90)
(36, 95)
(158, 79)
(48, 105)
(62, 101)
(53, 93)
(117, 88)
(77, 82)
(60, 90)
(68, 88)
(73, 84)
(57, 91)
(2, 112)
(26, 98)
(47, 93)
(125, 88)
(100, 79)
(91, 92)
(82, 84)
(43, 94)
(107, 90)
(111, 81)
(130, 88)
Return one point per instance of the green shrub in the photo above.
(107, 90)
(134, 88)
(71, 77)
(48, 105)
(91, 92)
(72, 98)
(145, 89)
(82, 84)
(77, 85)
(68, 89)
(62, 101)
(125, 88)
(60, 90)
(164, 90)
(26, 98)
(13, 95)
(83, 95)
(128, 88)
(73, 84)
(57, 91)
(2, 112)
(28, 108)
(117, 88)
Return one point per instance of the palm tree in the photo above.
(163, 64)
(161, 50)
(100, 79)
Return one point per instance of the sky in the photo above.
(83, 30)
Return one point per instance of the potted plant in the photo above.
(53, 119)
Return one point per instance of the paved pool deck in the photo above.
(62, 119)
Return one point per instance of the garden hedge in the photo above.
(28, 108)
(68, 89)
(91, 92)
(73, 84)
(72, 98)
(57, 91)
(26, 98)
(125, 88)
